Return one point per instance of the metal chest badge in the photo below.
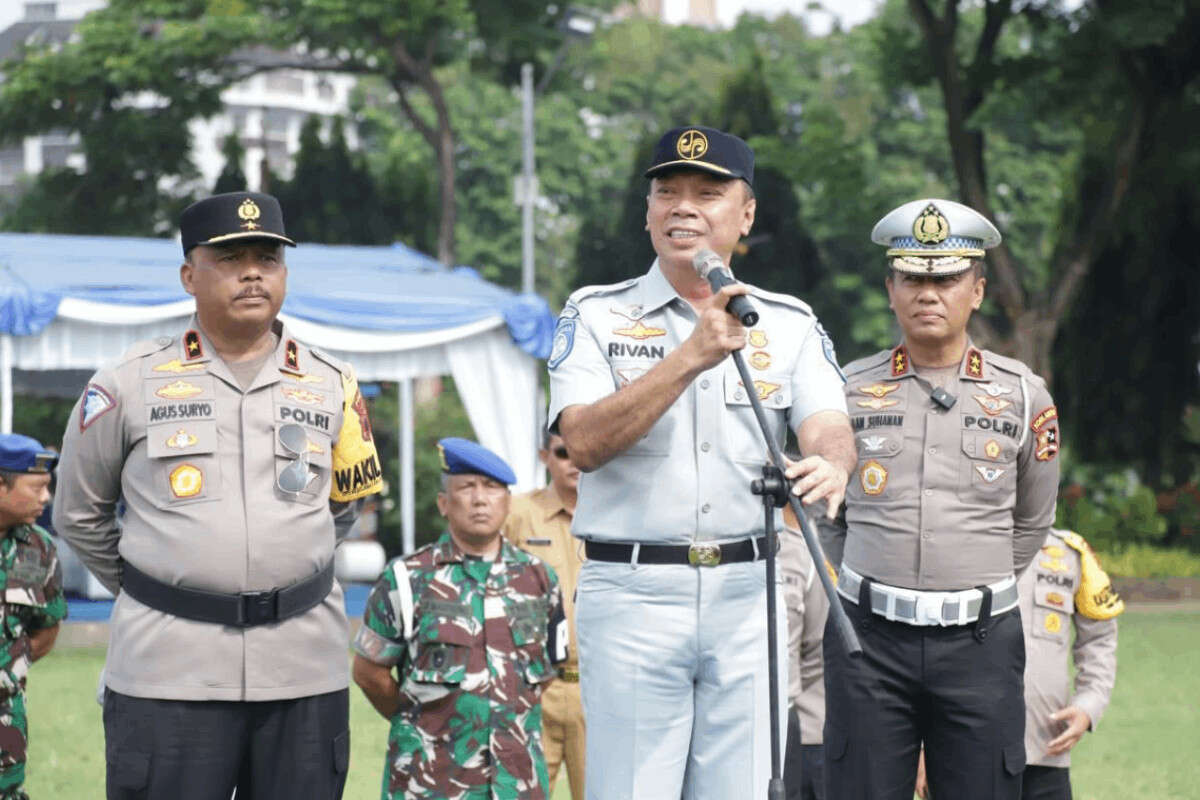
(180, 439)
(178, 390)
(873, 477)
(186, 481)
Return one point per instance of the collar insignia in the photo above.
(899, 361)
(292, 355)
(192, 347)
(974, 363)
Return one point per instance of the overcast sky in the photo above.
(851, 12)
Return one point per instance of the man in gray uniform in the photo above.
(239, 454)
(955, 491)
(807, 609)
(671, 606)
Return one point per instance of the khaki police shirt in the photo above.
(540, 524)
(949, 499)
(688, 478)
(1048, 608)
(807, 608)
(169, 434)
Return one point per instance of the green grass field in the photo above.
(1144, 750)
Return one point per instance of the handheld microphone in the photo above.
(713, 269)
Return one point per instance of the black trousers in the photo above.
(962, 695)
(187, 750)
(803, 765)
(1046, 783)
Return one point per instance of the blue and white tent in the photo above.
(77, 302)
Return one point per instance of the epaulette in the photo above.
(1007, 364)
(1095, 597)
(867, 362)
(341, 366)
(600, 289)
(783, 299)
(145, 348)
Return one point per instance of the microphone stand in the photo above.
(773, 488)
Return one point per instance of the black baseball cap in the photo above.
(234, 215)
(705, 149)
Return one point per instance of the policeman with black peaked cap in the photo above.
(670, 609)
(241, 455)
(953, 496)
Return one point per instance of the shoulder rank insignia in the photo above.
(873, 477)
(192, 345)
(974, 363)
(1047, 444)
(96, 402)
(899, 361)
(291, 355)
(992, 405)
(1095, 597)
(177, 366)
(876, 403)
(878, 389)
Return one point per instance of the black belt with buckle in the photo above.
(698, 554)
(242, 610)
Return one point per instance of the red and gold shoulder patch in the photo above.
(974, 363)
(899, 361)
(192, 345)
(1047, 443)
(1044, 418)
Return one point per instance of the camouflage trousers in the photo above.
(13, 733)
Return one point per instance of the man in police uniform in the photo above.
(473, 627)
(540, 523)
(31, 580)
(240, 455)
(807, 609)
(671, 602)
(954, 495)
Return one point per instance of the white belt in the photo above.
(928, 608)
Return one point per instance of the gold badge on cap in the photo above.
(691, 144)
(249, 211)
(931, 227)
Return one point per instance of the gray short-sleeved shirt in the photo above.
(688, 478)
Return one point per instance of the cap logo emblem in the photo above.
(691, 144)
(249, 211)
(931, 226)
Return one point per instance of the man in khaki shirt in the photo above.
(807, 609)
(540, 522)
(954, 493)
(236, 452)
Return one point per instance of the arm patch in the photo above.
(1095, 598)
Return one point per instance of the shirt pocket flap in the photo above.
(318, 446)
(442, 655)
(875, 444)
(172, 439)
(989, 447)
(775, 391)
(1057, 598)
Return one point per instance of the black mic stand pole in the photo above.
(774, 491)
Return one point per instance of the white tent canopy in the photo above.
(394, 314)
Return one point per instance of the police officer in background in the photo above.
(240, 455)
(671, 606)
(807, 610)
(540, 523)
(954, 494)
(1065, 582)
(34, 605)
(473, 628)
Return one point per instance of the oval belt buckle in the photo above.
(704, 555)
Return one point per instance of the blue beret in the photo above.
(22, 454)
(463, 457)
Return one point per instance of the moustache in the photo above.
(253, 292)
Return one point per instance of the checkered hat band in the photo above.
(949, 243)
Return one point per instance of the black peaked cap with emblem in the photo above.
(705, 149)
(232, 216)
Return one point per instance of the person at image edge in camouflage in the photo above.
(473, 639)
(31, 580)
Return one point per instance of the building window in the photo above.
(285, 82)
(40, 12)
(12, 165)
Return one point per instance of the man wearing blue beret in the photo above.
(32, 583)
(472, 628)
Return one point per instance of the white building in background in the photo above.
(267, 110)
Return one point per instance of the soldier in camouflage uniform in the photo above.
(472, 627)
(31, 580)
